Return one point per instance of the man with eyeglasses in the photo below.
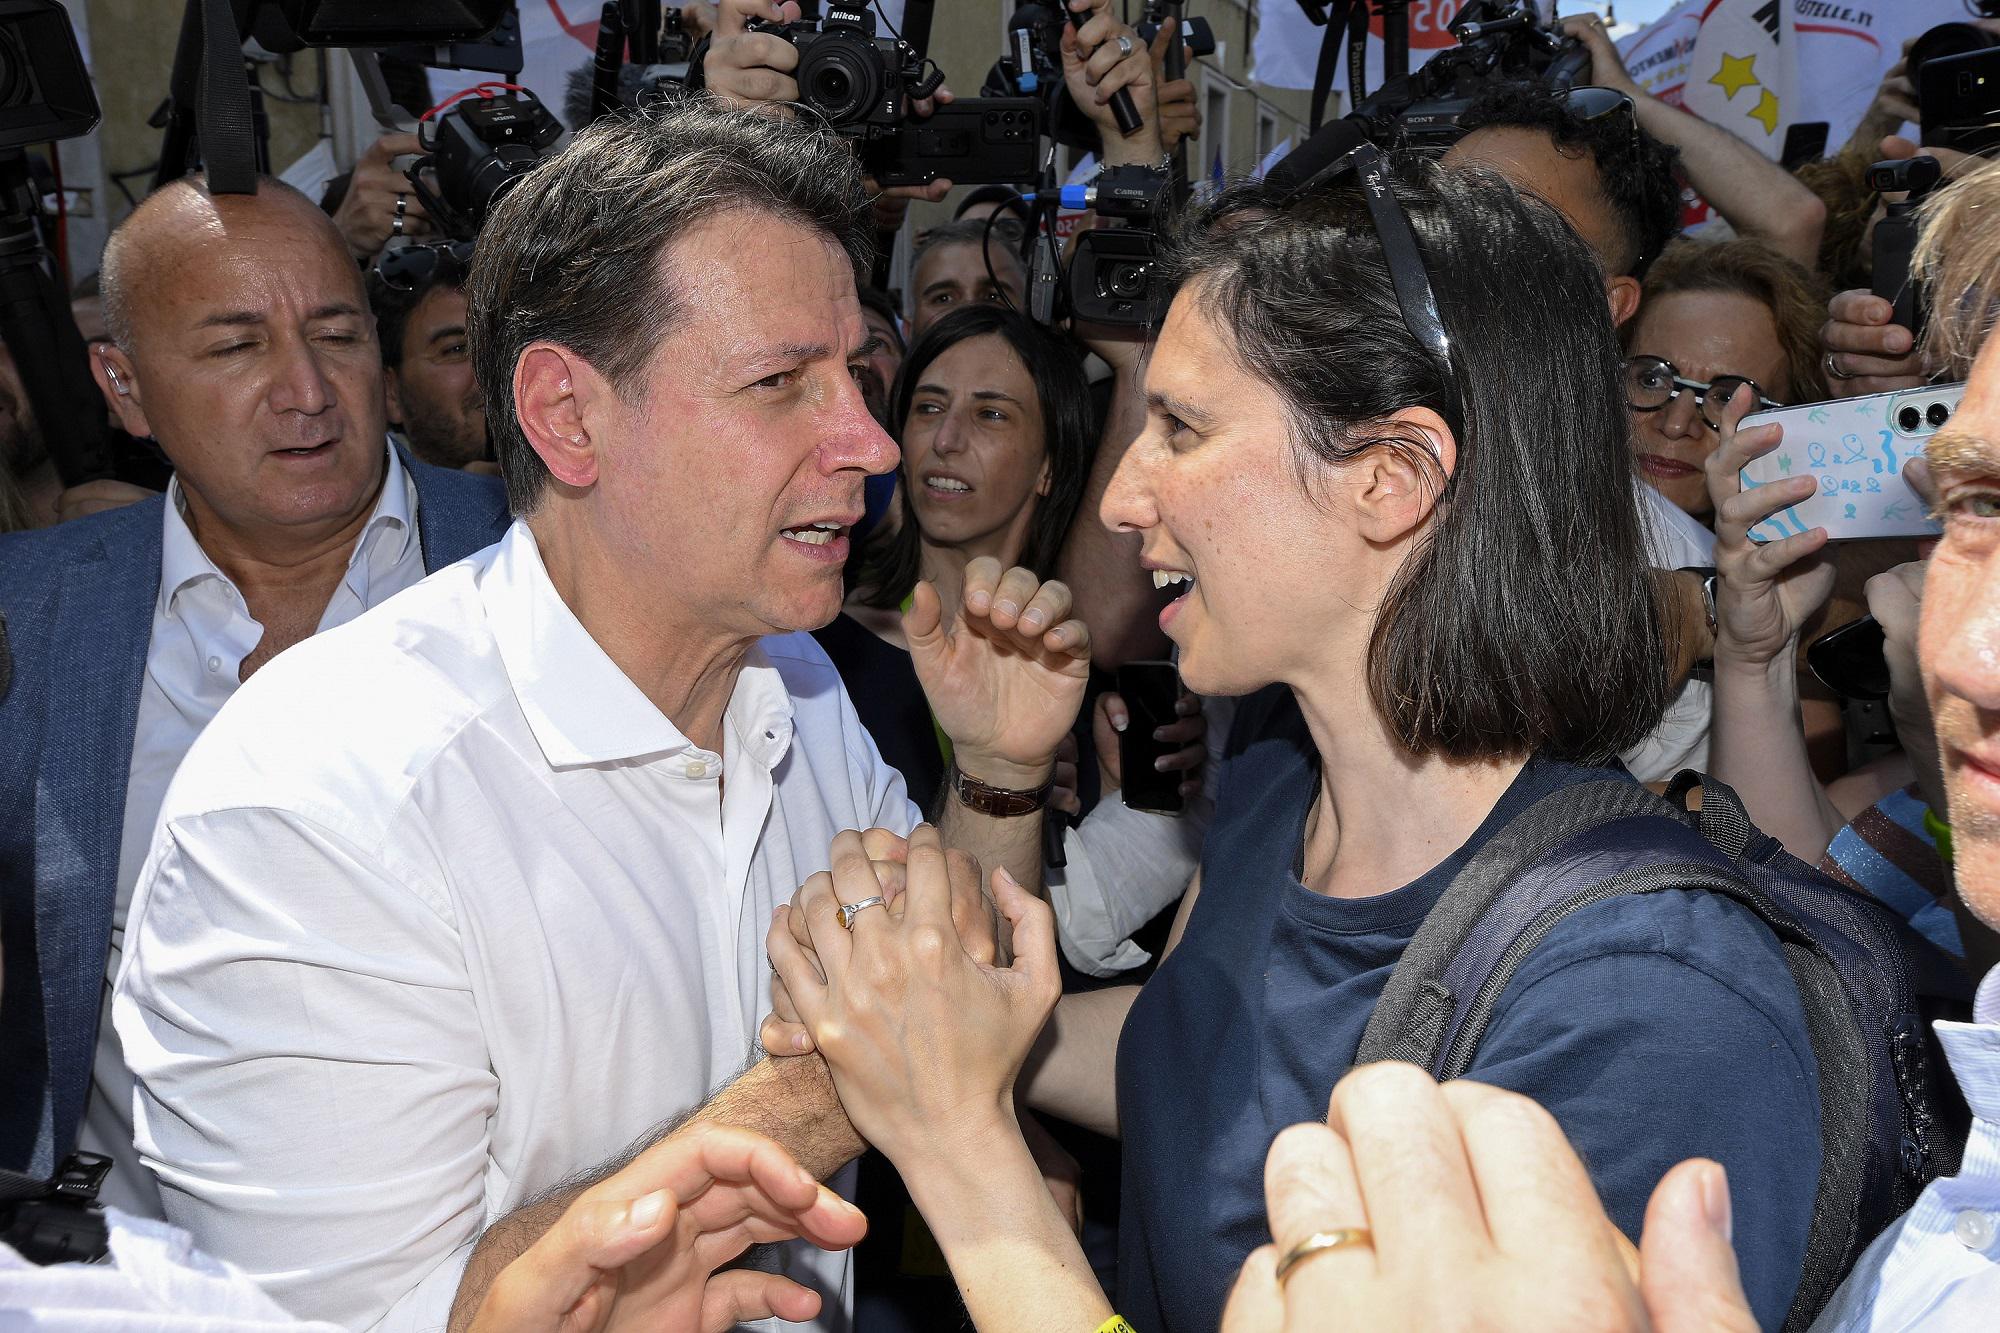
(240, 341)
(428, 389)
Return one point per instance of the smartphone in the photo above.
(1851, 661)
(1855, 449)
(974, 141)
(1150, 690)
(1804, 142)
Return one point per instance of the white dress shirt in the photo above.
(443, 910)
(1674, 540)
(1938, 1267)
(202, 631)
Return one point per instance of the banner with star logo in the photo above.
(1837, 52)
(1743, 71)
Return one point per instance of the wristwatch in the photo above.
(999, 802)
(1707, 575)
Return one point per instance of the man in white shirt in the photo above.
(466, 897)
(241, 342)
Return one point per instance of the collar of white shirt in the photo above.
(384, 541)
(1974, 1051)
(581, 707)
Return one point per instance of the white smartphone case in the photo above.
(1855, 448)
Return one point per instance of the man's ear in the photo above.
(392, 397)
(553, 391)
(118, 380)
(1395, 487)
(1623, 294)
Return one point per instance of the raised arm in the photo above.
(1764, 595)
(1754, 195)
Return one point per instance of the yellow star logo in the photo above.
(1765, 113)
(1736, 74)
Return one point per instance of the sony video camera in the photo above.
(1499, 42)
(476, 151)
(860, 85)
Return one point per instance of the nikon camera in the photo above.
(860, 84)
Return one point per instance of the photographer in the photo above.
(374, 205)
(1361, 523)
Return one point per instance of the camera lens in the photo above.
(831, 87)
(840, 77)
(1937, 414)
(1909, 418)
(16, 87)
(1126, 281)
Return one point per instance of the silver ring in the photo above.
(1833, 371)
(1125, 47)
(848, 911)
(396, 225)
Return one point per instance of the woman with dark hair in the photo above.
(1375, 464)
(993, 415)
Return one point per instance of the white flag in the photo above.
(1286, 50)
(1839, 53)
(1743, 73)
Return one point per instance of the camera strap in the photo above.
(1345, 19)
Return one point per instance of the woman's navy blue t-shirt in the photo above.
(1654, 1028)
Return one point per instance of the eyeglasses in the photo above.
(1651, 382)
(411, 268)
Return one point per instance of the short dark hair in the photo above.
(1639, 183)
(571, 254)
(888, 566)
(874, 298)
(1525, 620)
(393, 307)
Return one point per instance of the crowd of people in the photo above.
(605, 753)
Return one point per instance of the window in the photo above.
(1267, 132)
(1214, 127)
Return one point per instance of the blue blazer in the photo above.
(79, 600)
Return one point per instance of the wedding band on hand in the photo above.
(1833, 370)
(848, 911)
(1125, 47)
(1320, 1242)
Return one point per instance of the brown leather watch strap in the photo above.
(999, 802)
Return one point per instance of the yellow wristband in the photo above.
(1115, 1324)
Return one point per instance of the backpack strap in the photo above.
(1494, 901)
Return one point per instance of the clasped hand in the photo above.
(923, 1033)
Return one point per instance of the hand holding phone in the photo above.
(1854, 449)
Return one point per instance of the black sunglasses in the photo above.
(1590, 104)
(1407, 274)
(411, 268)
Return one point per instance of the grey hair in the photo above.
(571, 254)
(120, 271)
(1957, 260)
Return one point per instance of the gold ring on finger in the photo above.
(1320, 1242)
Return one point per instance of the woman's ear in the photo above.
(1397, 485)
(1048, 478)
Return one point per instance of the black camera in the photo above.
(475, 152)
(1499, 42)
(45, 90)
(1896, 235)
(859, 84)
(1114, 271)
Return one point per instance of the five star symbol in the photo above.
(1736, 74)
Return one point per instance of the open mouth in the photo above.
(945, 487)
(815, 534)
(307, 451)
(1167, 578)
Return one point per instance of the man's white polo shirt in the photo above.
(442, 910)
